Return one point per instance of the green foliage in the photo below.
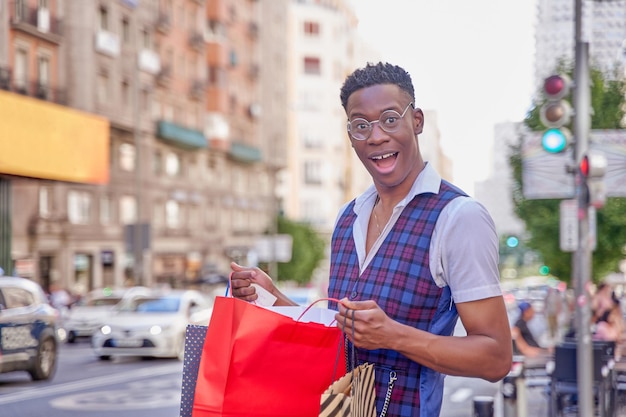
(308, 251)
(542, 216)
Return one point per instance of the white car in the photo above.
(28, 326)
(88, 315)
(152, 326)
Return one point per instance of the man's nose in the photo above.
(377, 132)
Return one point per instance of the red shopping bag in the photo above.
(257, 362)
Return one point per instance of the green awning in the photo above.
(181, 136)
(244, 153)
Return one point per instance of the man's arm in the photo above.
(485, 352)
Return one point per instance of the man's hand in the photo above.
(364, 322)
(241, 279)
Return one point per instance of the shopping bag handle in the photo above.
(315, 302)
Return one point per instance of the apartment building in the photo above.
(186, 187)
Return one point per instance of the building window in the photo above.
(127, 157)
(312, 172)
(172, 214)
(194, 221)
(103, 19)
(43, 71)
(146, 42)
(125, 30)
(311, 28)
(103, 86)
(21, 12)
(172, 165)
(106, 210)
(78, 207)
(128, 209)
(233, 58)
(157, 163)
(21, 70)
(45, 205)
(126, 94)
(312, 66)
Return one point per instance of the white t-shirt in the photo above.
(463, 248)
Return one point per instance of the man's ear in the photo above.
(418, 117)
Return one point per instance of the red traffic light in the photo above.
(593, 165)
(556, 86)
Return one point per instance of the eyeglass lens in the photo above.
(389, 120)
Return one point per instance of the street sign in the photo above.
(568, 226)
(545, 175)
(274, 248)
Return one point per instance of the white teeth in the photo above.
(385, 156)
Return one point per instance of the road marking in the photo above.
(118, 400)
(460, 395)
(83, 384)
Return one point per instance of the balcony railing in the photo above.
(34, 89)
(38, 19)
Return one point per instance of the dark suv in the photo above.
(28, 325)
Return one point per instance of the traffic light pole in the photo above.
(582, 260)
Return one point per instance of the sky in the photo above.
(471, 61)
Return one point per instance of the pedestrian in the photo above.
(553, 304)
(408, 257)
(601, 301)
(524, 342)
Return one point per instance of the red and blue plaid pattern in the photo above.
(399, 280)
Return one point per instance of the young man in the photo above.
(524, 341)
(409, 256)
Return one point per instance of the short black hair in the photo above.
(375, 74)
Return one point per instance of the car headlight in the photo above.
(106, 329)
(155, 330)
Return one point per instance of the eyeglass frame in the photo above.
(371, 123)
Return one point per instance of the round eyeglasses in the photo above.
(389, 121)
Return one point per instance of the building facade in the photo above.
(188, 187)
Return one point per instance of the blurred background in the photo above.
(152, 142)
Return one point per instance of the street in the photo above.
(87, 387)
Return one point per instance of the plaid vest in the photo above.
(399, 280)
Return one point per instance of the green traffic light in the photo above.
(544, 270)
(554, 140)
(512, 242)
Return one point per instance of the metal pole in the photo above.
(582, 270)
(137, 244)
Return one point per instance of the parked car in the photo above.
(28, 324)
(87, 316)
(152, 326)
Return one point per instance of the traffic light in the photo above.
(555, 114)
(512, 241)
(593, 168)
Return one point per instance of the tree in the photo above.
(541, 217)
(307, 251)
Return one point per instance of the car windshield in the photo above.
(153, 305)
(102, 302)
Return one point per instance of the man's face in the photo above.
(392, 158)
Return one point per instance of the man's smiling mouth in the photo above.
(385, 156)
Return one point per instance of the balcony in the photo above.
(149, 61)
(180, 136)
(197, 90)
(163, 23)
(164, 77)
(196, 41)
(37, 22)
(108, 43)
(33, 89)
(242, 152)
